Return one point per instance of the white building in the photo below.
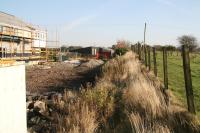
(18, 38)
(39, 38)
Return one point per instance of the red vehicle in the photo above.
(103, 53)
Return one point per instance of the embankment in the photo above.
(125, 98)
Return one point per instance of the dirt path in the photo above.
(60, 76)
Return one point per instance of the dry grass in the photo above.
(75, 117)
(126, 98)
(145, 102)
(139, 126)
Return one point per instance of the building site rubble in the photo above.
(61, 75)
(49, 84)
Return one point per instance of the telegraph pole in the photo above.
(145, 27)
(145, 50)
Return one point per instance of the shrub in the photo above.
(120, 51)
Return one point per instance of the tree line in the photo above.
(188, 40)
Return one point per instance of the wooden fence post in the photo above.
(188, 79)
(154, 61)
(139, 51)
(134, 49)
(165, 68)
(145, 55)
(142, 53)
(149, 57)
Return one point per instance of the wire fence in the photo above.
(179, 70)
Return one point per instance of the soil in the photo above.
(60, 75)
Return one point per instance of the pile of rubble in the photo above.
(42, 111)
(92, 63)
(74, 62)
(45, 86)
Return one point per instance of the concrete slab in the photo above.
(13, 99)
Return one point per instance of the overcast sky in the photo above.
(102, 22)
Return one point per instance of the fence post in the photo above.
(142, 53)
(134, 48)
(139, 51)
(165, 68)
(145, 55)
(188, 79)
(149, 57)
(154, 61)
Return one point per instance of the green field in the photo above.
(176, 76)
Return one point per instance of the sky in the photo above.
(103, 22)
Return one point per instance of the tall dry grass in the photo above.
(125, 98)
(74, 116)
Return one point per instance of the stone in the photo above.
(41, 106)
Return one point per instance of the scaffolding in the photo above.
(22, 41)
(13, 33)
(14, 46)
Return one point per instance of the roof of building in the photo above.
(13, 21)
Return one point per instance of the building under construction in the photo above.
(20, 40)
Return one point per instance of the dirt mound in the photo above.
(92, 63)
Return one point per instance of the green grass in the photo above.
(176, 76)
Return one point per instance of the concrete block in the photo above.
(13, 99)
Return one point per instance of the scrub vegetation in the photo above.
(125, 98)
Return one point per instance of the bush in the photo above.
(120, 51)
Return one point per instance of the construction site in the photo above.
(40, 65)
(22, 41)
(91, 78)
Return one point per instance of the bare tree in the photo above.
(123, 44)
(121, 47)
(189, 40)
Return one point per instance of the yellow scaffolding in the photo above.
(14, 35)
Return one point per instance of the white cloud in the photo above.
(84, 19)
(74, 24)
